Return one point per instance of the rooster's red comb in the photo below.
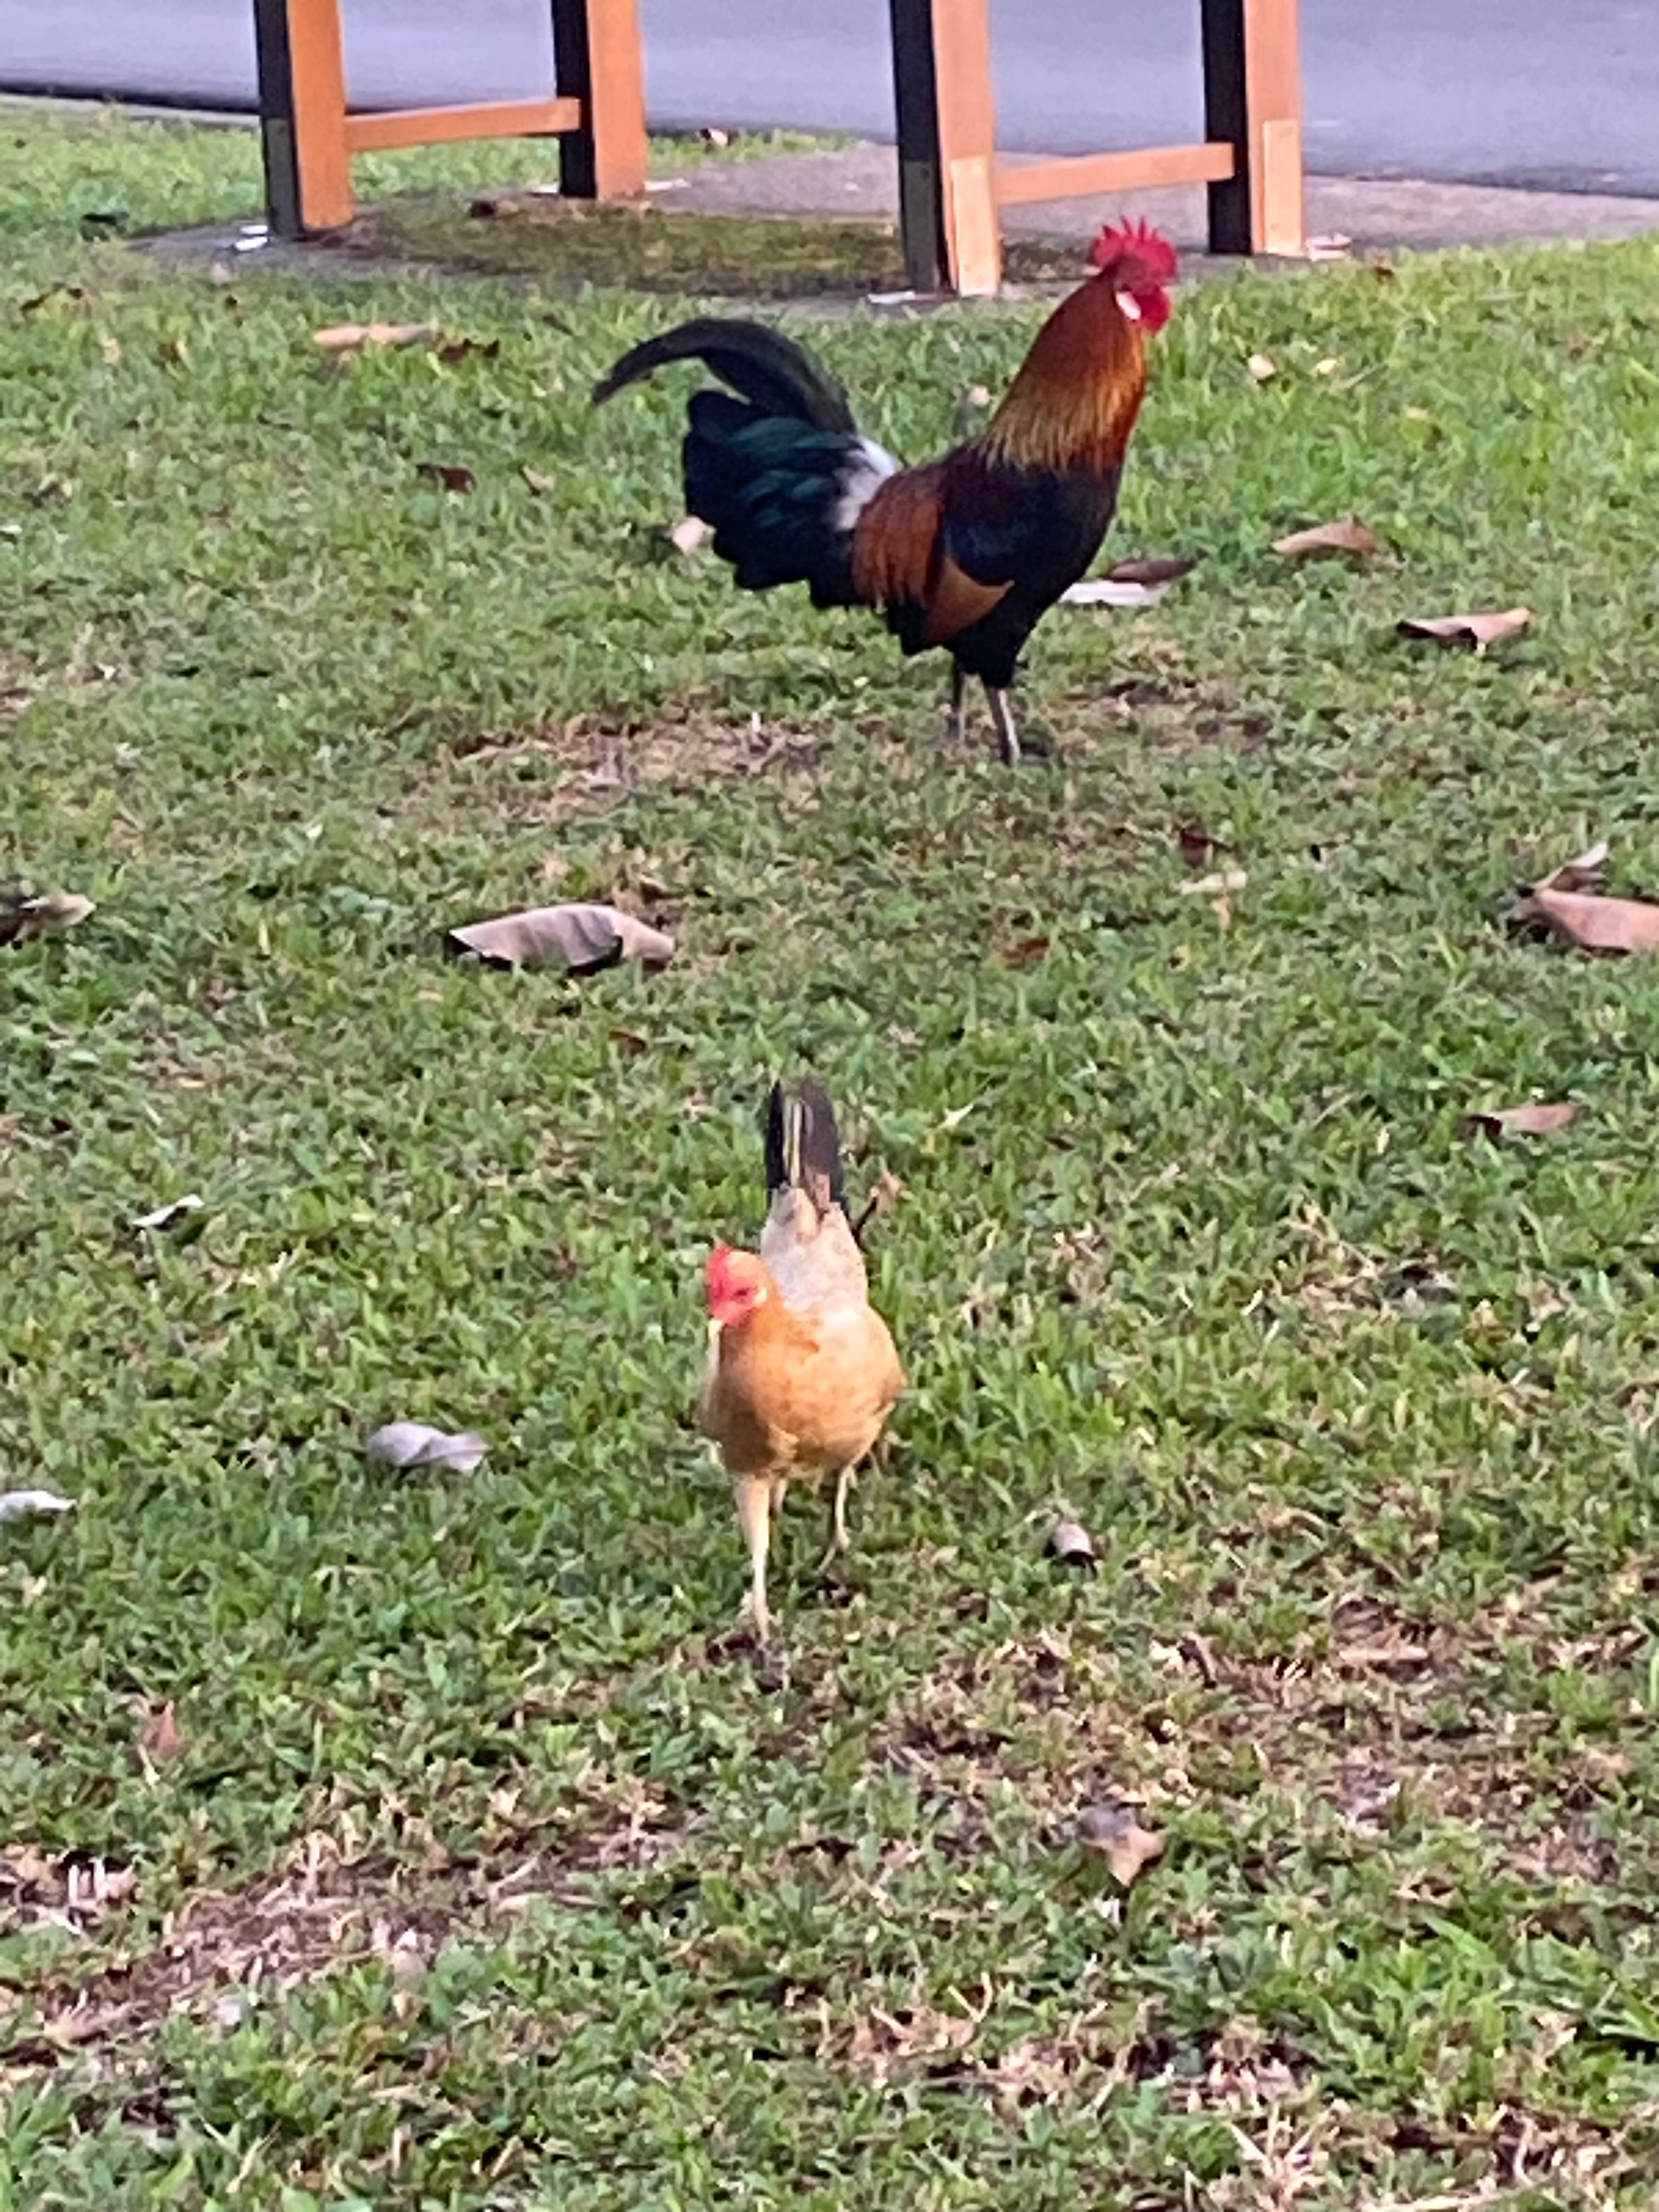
(1135, 241)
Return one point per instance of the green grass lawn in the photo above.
(489, 1868)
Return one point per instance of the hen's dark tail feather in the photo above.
(759, 364)
(803, 1144)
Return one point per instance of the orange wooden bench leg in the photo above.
(1253, 99)
(302, 110)
(946, 116)
(598, 59)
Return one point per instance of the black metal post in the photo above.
(279, 143)
(573, 78)
(920, 180)
(1227, 115)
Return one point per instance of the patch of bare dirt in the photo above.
(1386, 1717)
(62, 1889)
(588, 767)
(325, 1907)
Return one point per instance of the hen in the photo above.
(802, 1373)
(967, 552)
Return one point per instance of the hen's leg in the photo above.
(840, 1542)
(754, 1497)
(958, 693)
(1002, 721)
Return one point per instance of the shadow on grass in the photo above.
(650, 249)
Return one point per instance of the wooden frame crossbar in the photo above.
(310, 134)
(953, 183)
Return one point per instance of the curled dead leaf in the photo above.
(1118, 1836)
(1262, 368)
(543, 486)
(1477, 631)
(25, 914)
(1070, 1543)
(1025, 951)
(450, 474)
(1536, 1119)
(1216, 886)
(1111, 591)
(160, 1739)
(1579, 873)
(21, 1504)
(1350, 535)
(578, 937)
(1155, 569)
(1592, 923)
(414, 1443)
(346, 338)
(163, 1216)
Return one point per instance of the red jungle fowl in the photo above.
(968, 552)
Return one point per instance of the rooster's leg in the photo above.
(840, 1542)
(754, 1498)
(1002, 721)
(958, 693)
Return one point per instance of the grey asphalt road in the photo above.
(1560, 93)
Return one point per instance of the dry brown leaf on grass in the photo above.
(1118, 1836)
(1536, 1119)
(160, 1739)
(451, 475)
(25, 914)
(1350, 535)
(1070, 1543)
(543, 486)
(1113, 591)
(23, 1504)
(577, 937)
(1477, 631)
(1154, 568)
(1580, 872)
(414, 1443)
(1592, 923)
(1218, 885)
(1262, 368)
(1025, 951)
(1565, 902)
(347, 337)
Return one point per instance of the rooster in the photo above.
(968, 552)
(802, 1372)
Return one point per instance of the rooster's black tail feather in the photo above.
(803, 1144)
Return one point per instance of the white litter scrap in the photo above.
(412, 1444)
(21, 1504)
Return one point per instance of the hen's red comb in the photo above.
(1136, 241)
